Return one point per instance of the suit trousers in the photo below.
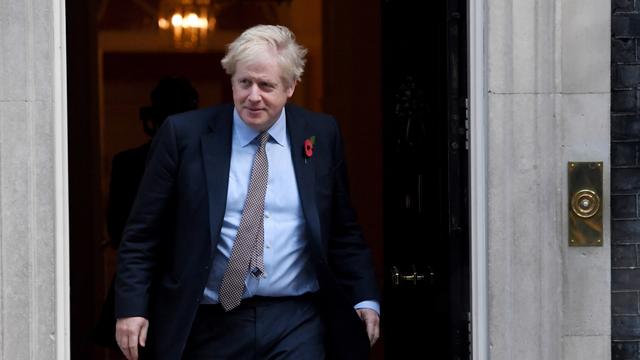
(259, 328)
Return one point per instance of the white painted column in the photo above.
(585, 136)
(478, 179)
(30, 75)
(548, 103)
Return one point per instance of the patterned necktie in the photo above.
(247, 251)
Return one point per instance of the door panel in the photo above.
(426, 297)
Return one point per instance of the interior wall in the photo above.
(352, 93)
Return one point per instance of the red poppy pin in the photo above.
(308, 147)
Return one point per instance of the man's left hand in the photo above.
(372, 322)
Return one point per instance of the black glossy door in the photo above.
(426, 246)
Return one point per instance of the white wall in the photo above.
(27, 179)
(548, 103)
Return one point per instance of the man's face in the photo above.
(259, 92)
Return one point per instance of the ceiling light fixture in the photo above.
(190, 21)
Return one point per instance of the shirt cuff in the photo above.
(369, 304)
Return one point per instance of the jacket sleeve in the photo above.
(138, 252)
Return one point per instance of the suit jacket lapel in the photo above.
(305, 175)
(216, 154)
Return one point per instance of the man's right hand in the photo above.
(130, 332)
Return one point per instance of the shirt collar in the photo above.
(244, 134)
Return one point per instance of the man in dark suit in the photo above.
(264, 258)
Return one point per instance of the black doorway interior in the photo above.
(426, 237)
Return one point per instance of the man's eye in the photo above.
(268, 86)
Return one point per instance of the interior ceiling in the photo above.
(142, 15)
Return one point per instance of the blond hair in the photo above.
(260, 38)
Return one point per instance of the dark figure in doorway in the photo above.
(172, 95)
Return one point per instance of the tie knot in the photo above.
(263, 138)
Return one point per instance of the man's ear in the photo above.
(291, 89)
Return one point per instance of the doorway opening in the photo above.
(402, 117)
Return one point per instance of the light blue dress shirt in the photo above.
(288, 269)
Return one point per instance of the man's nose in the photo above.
(254, 93)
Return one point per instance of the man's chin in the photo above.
(258, 124)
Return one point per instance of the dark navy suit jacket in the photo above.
(166, 250)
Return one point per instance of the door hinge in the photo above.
(470, 332)
(466, 123)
